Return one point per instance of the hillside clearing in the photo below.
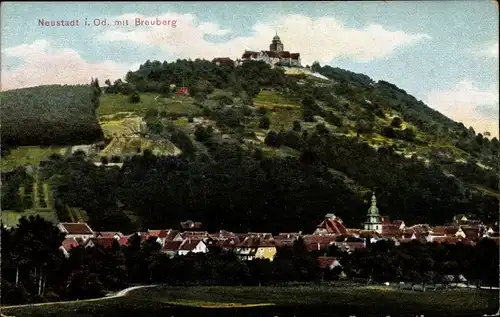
(28, 155)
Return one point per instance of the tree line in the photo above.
(34, 268)
(50, 115)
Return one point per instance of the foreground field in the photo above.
(272, 301)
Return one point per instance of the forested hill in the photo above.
(267, 151)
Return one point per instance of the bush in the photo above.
(104, 160)
(396, 122)
(333, 119)
(264, 122)
(135, 98)
(203, 134)
(322, 129)
(296, 126)
(274, 139)
(388, 132)
(223, 100)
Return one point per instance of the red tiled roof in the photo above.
(223, 59)
(108, 234)
(333, 226)
(172, 245)
(449, 240)
(285, 54)
(189, 245)
(255, 242)
(103, 242)
(199, 234)
(183, 90)
(283, 243)
(398, 222)
(312, 238)
(369, 234)
(444, 230)
(391, 230)
(158, 233)
(123, 241)
(471, 232)
(353, 231)
(326, 261)
(171, 234)
(249, 54)
(77, 228)
(68, 244)
(385, 220)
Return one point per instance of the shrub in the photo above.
(135, 98)
(264, 122)
(396, 122)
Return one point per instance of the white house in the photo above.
(192, 245)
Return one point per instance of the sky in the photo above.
(444, 53)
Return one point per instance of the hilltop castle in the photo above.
(275, 56)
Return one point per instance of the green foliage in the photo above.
(296, 126)
(396, 122)
(333, 119)
(50, 115)
(274, 139)
(309, 108)
(203, 134)
(135, 97)
(264, 122)
(388, 132)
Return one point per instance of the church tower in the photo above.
(276, 45)
(373, 219)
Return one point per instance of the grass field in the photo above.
(129, 145)
(271, 301)
(11, 218)
(283, 119)
(114, 103)
(272, 99)
(117, 103)
(24, 155)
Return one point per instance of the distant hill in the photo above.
(49, 115)
(296, 144)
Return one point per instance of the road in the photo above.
(118, 294)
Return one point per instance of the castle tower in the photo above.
(373, 219)
(276, 45)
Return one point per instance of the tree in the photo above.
(273, 139)
(409, 134)
(296, 126)
(363, 127)
(308, 108)
(396, 122)
(388, 132)
(104, 160)
(264, 122)
(135, 97)
(203, 134)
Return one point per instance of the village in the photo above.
(260, 245)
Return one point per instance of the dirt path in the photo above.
(118, 294)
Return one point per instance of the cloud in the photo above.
(469, 104)
(488, 50)
(322, 39)
(43, 64)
